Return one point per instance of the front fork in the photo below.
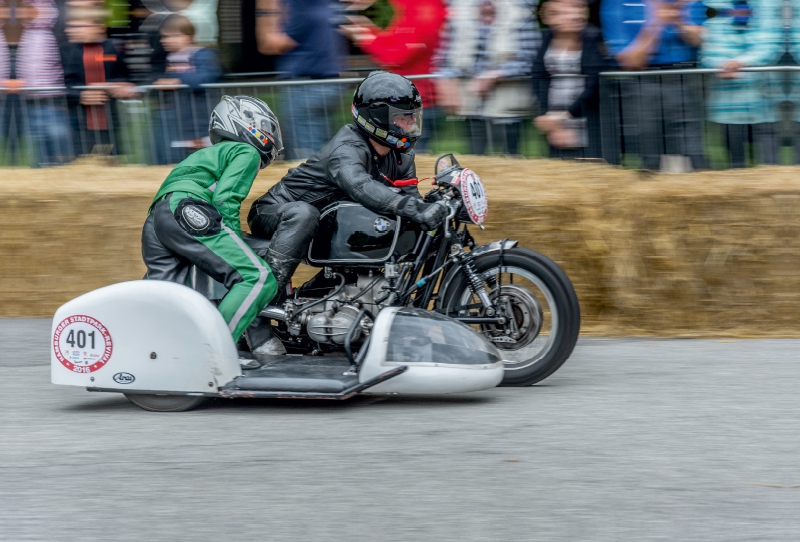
(501, 311)
(474, 280)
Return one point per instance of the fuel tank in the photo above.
(350, 234)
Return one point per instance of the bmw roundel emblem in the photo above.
(382, 225)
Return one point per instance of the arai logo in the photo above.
(124, 378)
(382, 225)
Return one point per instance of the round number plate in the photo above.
(474, 196)
(82, 344)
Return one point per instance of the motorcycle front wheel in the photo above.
(540, 305)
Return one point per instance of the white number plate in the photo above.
(474, 195)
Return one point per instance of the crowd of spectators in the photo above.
(501, 68)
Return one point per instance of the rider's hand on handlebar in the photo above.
(433, 215)
(432, 196)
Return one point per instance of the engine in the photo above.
(329, 322)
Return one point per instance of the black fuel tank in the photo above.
(350, 234)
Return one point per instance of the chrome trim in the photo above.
(273, 313)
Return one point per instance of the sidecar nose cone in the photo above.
(442, 354)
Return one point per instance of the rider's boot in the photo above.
(283, 267)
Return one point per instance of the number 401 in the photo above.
(80, 338)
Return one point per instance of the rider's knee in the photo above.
(306, 217)
(303, 212)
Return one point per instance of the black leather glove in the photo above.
(432, 216)
(433, 195)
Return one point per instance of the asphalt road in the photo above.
(630, 440)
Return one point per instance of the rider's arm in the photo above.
(239, 166)
(346, 167)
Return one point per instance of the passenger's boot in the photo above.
(261, 339)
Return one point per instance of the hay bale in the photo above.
(703, 254)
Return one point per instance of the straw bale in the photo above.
(702, 254)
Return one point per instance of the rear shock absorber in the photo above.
(474, 280)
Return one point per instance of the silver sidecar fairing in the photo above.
(153, 337)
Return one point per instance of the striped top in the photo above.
(38, 58)
(469, 46)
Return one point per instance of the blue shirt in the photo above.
(319, 46)
(623, 19)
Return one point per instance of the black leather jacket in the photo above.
(349, 169)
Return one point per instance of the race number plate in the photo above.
(474, 196)
(82, 344)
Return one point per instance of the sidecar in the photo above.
(167, 348)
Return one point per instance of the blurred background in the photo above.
(650, 84)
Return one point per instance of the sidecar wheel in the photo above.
(165, 403)
(543, 303)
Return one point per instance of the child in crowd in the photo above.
(182, 111)
(91, 59)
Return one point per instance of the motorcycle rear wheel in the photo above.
(545, 308)
(165, 403)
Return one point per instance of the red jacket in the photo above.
(407, 45)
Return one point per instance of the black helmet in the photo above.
(247, 120)
(388, 108)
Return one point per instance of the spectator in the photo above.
(7, 84)
(302, 33)
(405, 47)
(486, 44)
(791, 27)
(38, 64)
(745, 33)
(661, 114)
(183, 112)
(91, 59)
(570, 103)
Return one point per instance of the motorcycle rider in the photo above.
(370, 161)
(194, 217)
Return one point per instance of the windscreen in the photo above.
(419, 336)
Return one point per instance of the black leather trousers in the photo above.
(289, 226)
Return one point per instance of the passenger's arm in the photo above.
(239, 169)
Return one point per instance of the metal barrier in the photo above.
(683, 119)
(162, 125)
(672, 119)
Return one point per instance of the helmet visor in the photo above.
(407, 122)
(400, 122)
(268, 125)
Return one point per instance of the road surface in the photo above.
(631, 440)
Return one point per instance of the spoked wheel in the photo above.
(165, 403)
(539, 304)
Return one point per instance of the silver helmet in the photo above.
(247, 120)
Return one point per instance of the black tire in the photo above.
(165, 403)
(563, 329)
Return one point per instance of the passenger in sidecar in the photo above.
(194, 217)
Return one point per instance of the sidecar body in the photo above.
(154, 339)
